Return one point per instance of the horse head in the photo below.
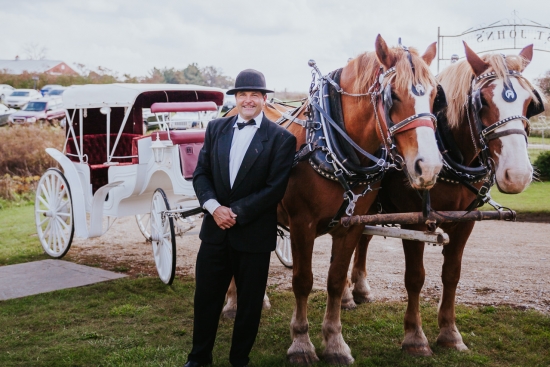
(502, 101)
(406, 90)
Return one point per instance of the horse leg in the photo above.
(415, 342)
(449, 336)
(336, 350)
(347, 298)
(302, 350)
(230, 309)
(361, 289)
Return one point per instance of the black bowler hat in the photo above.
(249, 79)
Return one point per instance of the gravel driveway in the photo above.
(504, 263)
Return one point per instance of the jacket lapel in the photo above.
(253, 152)
(224, 148)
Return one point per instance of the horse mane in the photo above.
(366, 68)
(456, 81)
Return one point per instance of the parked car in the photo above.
(57, 92)
(188, 120)
(20, 97)
(5, 90)
(5, 112)
(46, 109)
(47, 88)
(229, 102)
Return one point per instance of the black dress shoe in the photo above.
(195, 364)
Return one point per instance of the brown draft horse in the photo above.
(512, 170)
(311, 201)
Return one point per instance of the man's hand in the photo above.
(224, 217)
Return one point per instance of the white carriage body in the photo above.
(106, 183)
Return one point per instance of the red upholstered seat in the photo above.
(181, 136)
(95, 148)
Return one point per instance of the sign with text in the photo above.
(494, 38)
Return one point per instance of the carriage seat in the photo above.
(190, 143)
(95, 148)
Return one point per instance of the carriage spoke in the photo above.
(43, 201)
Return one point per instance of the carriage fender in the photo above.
(77, 194)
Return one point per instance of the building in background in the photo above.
(51, 67)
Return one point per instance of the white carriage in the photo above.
(110, 169)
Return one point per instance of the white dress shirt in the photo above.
(239, 145)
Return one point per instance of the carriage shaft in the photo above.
(439, 238)
(434, 217)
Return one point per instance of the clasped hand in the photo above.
(224, 217)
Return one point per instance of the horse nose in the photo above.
(418, 167)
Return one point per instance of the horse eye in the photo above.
(394, 96)
(484, 102)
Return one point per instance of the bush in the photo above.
(23, 158)
(542, 163)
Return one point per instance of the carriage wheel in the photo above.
(144, 225)
(163, 238)
(53, 209)
(283, 249)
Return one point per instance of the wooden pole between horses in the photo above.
(434, 217)
(439, 238)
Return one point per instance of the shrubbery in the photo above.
(23, 158)
(542, 163)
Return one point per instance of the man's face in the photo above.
(250, 103)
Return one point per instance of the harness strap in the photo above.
(498, 124)
(305, 152)
(421, 117)
(506, 132)
(378, 161)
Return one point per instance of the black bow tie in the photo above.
(240, 125)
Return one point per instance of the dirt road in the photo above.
(504, 263)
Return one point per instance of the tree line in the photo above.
(193, 74)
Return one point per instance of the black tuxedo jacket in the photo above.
(259, 185)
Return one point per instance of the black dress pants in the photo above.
(216, 265)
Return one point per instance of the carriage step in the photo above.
(439, 238)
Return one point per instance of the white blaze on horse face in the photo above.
(425, 166)
(513, 170)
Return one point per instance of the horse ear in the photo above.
(383, 53)
(478, 66)
(527, 54)
(430, 53)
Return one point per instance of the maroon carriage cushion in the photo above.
(181, 136)
(183, 106)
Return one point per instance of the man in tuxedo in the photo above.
(241, 175)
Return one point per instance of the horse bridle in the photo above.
(488, 133)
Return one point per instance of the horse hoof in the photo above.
(363, 298)
(338, 359)
(230, 314)
(303, 358)
(348, 304)
(459, 346)
(418, 350)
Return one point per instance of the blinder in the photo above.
(440, 101)
(535, 108)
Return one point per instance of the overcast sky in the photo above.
(275, 37)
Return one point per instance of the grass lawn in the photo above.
(142, 322)
(536, 199)
(18, 240)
